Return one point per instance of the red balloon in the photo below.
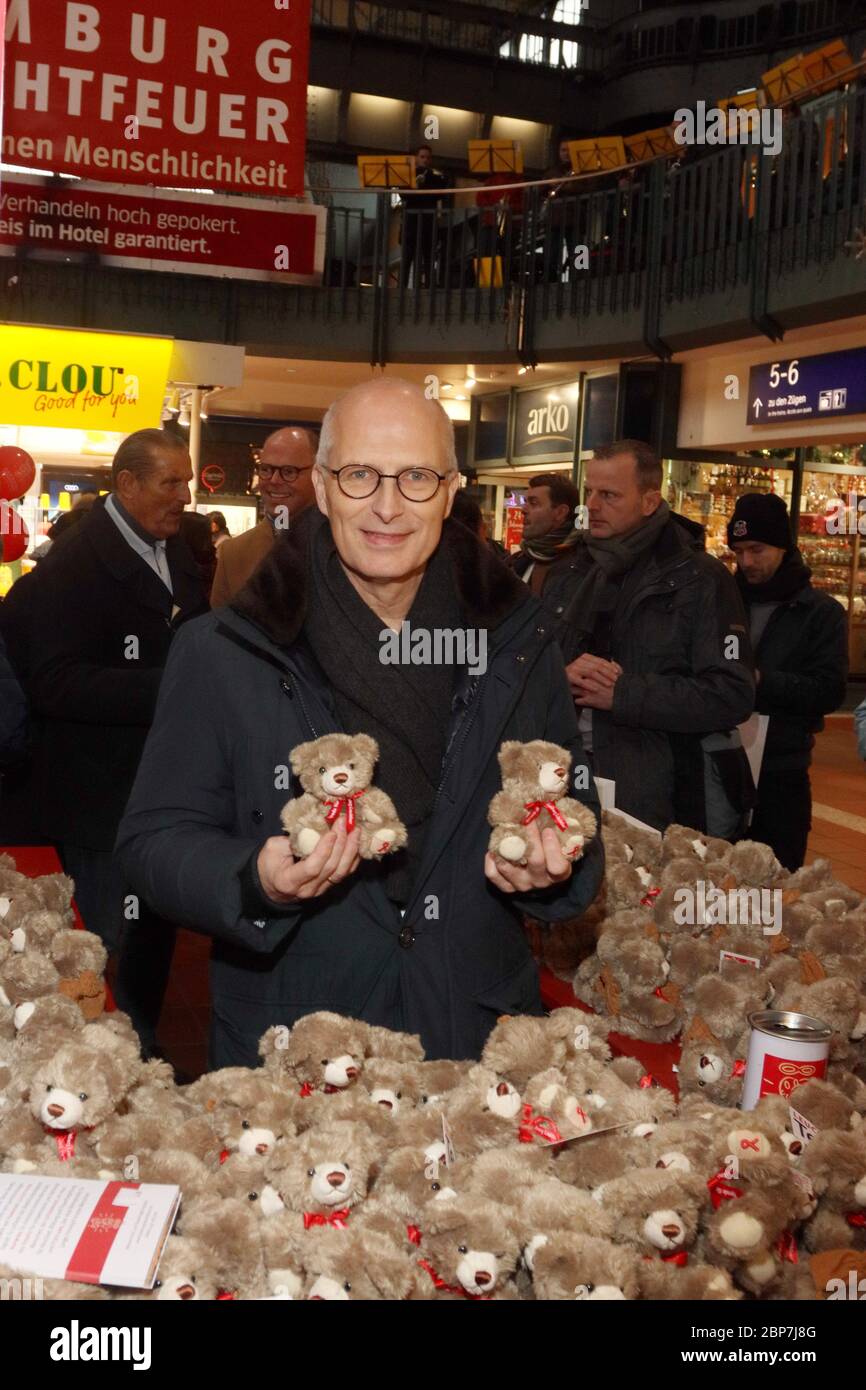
(13, 533)
(17, 471)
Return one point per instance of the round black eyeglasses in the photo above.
(415, 484)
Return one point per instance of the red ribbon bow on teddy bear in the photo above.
(337, 1219)
(65, 1141)
(343, 803)
(535, 808)
(722, 1190)
(540, 1125)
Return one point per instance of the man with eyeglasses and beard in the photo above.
(284, 469)
(429, 939)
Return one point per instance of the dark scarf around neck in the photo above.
(589, 616)
(301, 589)
(552, 545)
(792, 575)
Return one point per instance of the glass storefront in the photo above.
(831, 530)
(707, 492)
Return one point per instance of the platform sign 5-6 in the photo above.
(833, 383)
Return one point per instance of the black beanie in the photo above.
(761, 517)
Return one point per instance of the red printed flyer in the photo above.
(84, 1230)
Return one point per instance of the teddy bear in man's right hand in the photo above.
(534, 782)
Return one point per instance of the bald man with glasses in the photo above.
(284, 471)
(428, 939)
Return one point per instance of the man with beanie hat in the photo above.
(800, 640)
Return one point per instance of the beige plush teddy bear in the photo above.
(335, 772)
(534, 782)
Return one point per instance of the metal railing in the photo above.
(631, 43)
(523, 38)
(713, 238)
(665, 232)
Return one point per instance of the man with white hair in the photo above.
(428, 939)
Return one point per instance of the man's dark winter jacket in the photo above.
(240, 692)
(13, 713)
(683, 678)
(99, 633)
(802, 656)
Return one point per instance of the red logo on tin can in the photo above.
(781, 1076)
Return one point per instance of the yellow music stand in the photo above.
(495, 157)
(753, 98)
(649, 143)
(386, 170)
(785, 81)
(821, 67)
(592, 156)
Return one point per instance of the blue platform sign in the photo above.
(804, 388)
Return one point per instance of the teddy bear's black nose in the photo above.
(483, 1278)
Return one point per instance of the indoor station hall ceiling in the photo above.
(274, 388)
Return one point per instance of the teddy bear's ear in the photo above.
(299, 756)
(510, 755)
(366, 746)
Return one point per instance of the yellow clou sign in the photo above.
(79, 380)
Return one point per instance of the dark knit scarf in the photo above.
(589, 615)
(792, 575)
(405, 708)
(551, 546)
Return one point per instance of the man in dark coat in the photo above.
(105, 604)
(13, 713)
(658, 653)
(546, 558)
(420, 221)
(429, 940)
(800, 640)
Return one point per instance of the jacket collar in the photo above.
(127, 567)
(274, 599)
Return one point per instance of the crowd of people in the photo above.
(154, 740)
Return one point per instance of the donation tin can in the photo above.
(785, 1050)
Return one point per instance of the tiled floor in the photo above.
(838, 832)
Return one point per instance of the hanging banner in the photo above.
(182, 95)
(77, 380)
(150, 229)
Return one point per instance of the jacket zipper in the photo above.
(466, 724)
(293, 686)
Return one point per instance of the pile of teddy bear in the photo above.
(349, 1167)
(692, 934)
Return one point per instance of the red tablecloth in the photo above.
(658, 1058)
(36, 860)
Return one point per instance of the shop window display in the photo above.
(831, 527)
(707, 492)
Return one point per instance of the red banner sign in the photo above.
(143, 91)
(244, 237)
